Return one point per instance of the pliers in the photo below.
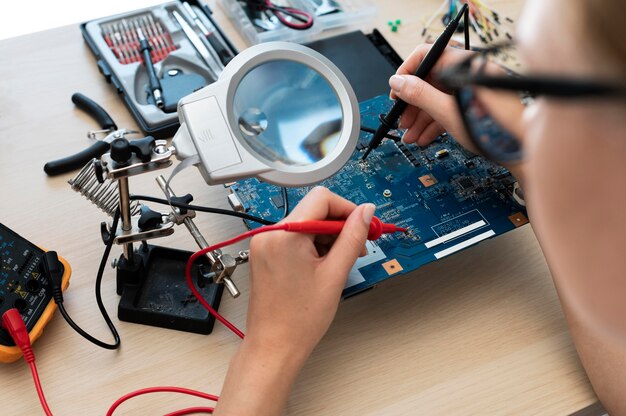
(100, 147)
(281, 12)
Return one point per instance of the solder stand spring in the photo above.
(104, 194)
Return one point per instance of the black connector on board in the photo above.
(52, 267)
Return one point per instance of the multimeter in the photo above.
(24, 285)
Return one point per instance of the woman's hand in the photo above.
(296, 282)
(297, 279)
(432, 110)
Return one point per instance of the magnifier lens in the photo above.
(287, 113)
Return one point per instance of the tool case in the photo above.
(367, 60)
(181, 69)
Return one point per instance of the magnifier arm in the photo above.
(248, 168)
(183, 143)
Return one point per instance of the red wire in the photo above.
(42, 398)
(212, 311)
(13, 322)
(161, 389)
(377, 228)
(191, 410)
(298, 26)
(204, 251)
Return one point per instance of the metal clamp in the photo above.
(160, 159)
(105, 178)
(222, 265)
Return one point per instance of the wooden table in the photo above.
(478, 332)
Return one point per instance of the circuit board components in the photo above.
(447, 197)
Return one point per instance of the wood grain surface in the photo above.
(480, 332)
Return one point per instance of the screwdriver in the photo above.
(153, 79)
(390, 121)
(222, 51)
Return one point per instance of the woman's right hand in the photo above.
(432, 110)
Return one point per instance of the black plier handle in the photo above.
(100, 147)
(92, 108)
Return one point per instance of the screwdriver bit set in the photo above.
(157, 55)
(123, 38)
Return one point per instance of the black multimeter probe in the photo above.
(390, 121)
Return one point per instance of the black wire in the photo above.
(201, 208)
(466, 29)
(105, 315)
(388, 136)
(285, 202)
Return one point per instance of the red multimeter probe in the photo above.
(377, 229)
(29, 303)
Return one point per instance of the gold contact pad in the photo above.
(518, 219)
(428, 180)
(392, 267)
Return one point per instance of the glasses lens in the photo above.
(490, 136)
(288, 113)
(493, 116)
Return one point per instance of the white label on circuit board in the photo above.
(455, 234)
(374, 254)
(466, 243)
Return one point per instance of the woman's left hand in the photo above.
(296, 282)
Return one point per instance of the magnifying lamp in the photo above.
(280, 112)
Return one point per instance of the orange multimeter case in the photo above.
(24, 286)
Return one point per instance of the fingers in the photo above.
(408, 117)
(321, 204)
(450, 56)
(430, 133)
(323, 243)
(422, 121)
(409, 66)
(416, 92)
(350, 242)
(427, 102)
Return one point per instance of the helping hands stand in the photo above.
(150, 279)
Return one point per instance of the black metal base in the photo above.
(154, 292)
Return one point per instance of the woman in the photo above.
(569, 153)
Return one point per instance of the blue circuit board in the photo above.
(447, 197)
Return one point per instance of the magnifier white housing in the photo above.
(280, 112)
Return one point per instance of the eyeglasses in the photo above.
(495, 74)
